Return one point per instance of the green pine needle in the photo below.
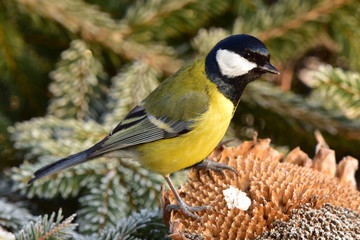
(49, 228)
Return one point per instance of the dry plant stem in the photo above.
(186, 209)
(321, 141)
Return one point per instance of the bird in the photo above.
(181, 121)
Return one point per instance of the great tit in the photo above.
(178, 124)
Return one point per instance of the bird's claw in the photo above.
(215, 166)
(186, 209)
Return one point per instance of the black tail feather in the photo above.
(60, 165)
(67, 162)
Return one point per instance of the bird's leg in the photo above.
(186, 209)
(214, 166)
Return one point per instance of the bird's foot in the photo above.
(181, 205)
(215, 166)
(186, 209)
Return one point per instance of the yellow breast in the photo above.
(170, 155)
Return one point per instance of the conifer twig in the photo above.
(166, 9)
(324, 8)
(101, 29)
(61, 226)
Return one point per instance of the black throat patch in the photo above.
(232, 88)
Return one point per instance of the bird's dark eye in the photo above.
(248, 55)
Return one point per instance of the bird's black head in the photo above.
(235, 61)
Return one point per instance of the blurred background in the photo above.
(70, 70)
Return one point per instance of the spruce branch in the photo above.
(265, 18)
(111, 185)
(306, 112)
(324, 8)
(105, 202)
(164, 19)
(77, 84)
(48, 228)
(13, 216)
(297, 26)
(50, 139)
(345, 24)
(148, 12)
(94, 25)
(134, 176)
(207, 38)
(339, 91)
(128, 88)
(146, 224)
(51, 136)
(66, 184)
(124, 187)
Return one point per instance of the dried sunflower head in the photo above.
(273, 188)
(328, 222)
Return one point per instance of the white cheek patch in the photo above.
(232, 64)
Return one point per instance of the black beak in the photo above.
(269, 68)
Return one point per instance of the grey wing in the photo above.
(139, 127)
